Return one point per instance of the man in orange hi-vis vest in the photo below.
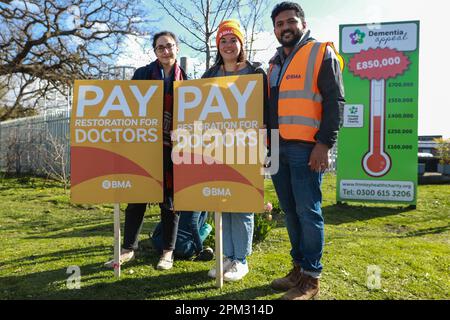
(306, 94)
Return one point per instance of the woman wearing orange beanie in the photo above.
(237, 227)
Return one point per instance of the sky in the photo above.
(324, 17)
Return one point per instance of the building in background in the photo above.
(427, 144)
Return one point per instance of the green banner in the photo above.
(377, 145)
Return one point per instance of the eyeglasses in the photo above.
(169, 47)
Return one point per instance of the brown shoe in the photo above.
(289, 281)
(306, 289)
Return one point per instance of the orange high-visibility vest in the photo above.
(299, 99)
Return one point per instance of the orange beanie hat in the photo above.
(229, 27)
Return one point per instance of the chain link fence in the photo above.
(40, 144)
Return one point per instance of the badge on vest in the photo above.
(293, 76)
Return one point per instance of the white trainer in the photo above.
(125, 256)
(226, 265)
(164, 264)
(237, 271)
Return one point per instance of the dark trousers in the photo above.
(134, 219)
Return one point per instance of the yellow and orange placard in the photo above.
(217, 145)
(116, 142)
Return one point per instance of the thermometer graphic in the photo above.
(378, 65)
(377, 162)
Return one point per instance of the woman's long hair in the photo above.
(241, 57)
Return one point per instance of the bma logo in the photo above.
(106, 184)
(216, 192)
(293, 76)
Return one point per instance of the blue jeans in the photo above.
(300, 196)
(237, 231)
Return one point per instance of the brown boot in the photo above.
(289, 281)
(306, 289)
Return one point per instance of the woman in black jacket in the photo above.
(166, 68)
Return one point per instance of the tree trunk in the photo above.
(208, 53)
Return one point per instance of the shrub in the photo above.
(263, 225)
(443, 150)
(276, 208)
(210, 240)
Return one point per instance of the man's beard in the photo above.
(290, 43)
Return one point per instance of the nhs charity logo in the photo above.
(353, 110)
(353, 116)
(357, 37)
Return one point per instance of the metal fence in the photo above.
(41, 145)
(36, 145)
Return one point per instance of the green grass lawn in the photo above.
(42, 234)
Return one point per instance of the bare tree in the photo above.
(13, 154)
(200, 21)
(18, 144)
(21, 90)
(3, 91)
(54, 155)
(57, 41)
(251, 13)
